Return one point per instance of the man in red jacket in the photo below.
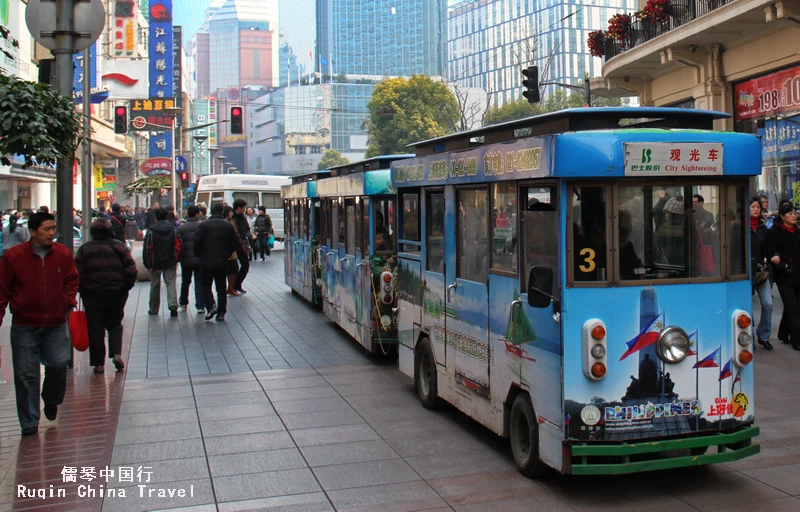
(40, 281)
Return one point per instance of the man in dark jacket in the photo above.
(243, 229)
(118, 222)
(107, 272)
(40, 281)
(150, 216)
(190, 263)
(214, 241)
(263, 228)
(161, 254)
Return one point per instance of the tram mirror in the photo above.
(540, 287)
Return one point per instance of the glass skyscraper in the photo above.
(380, 38)
(190, 15)
(489, 41)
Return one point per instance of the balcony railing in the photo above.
(681, 12)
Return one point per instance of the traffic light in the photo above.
(185, 179)
(237, 125)
(531, 84)
(120, 119)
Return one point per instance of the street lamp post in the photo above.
(221, 159)
(228, 165)
(174, 112)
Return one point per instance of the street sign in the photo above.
(180, 163)
(89, 20)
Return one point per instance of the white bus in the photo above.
(256, 190)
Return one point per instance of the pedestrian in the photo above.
(203, 212)
(233, 258)
(139, 218)
(161, 254)
(774, 222)
(190, 263)
(44, 209)
(13, 234)
(263, 229)
(244, 249)
(118, 222)
(214, 241)
(150, 216)
(171, 217)
(40, 281)
(250, 215)
(76, 219)
(758, 264)
(783, 250)
(107, 273)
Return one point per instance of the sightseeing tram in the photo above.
(341, 247)
(579, 282)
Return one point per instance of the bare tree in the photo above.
(526, 51)
(471, 109)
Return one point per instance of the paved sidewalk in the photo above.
(277, 409)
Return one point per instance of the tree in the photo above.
(403, 111)
(332, 158)
(37, 123)
(148, 185)
(520, 109)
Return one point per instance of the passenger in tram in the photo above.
(380, 226)
(381, 242)
(670, 244)
(629, 261)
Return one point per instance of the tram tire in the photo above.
(701, 450)
(425, 376)
(524, 437)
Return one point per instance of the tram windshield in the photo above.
(678, 231)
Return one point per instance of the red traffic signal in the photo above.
(237, 123)
(185, 176)
(120, 119)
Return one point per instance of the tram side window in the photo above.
(202, 198)
(664, 236)
(539, 232)
(269, 200)
(339, 223)
(472, 243)
(365, 226)
(217, 197)
(317, 220)
(738, 224)
(325, 222)
(251, 198)
(383, 225)
(411, 217)
(350, 227)
(504, 227)
(435, 234)
(589, 241)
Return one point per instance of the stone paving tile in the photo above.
(256, 462)
(133, 502)
(321, 419)
(162, 471)
(364, 474)
(277, 395)
(785, 477)
(245, 397)
(391, 497)
(457, 464)
(232, 412)
(149, 419)
(333, 403)
(157, 433)
(265, 485)
(311, 502)
(331, 435)
(345, 453)
(244, 443)
(214, 428)
(166, 450)
(487, 487)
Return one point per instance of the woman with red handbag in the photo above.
(107, 273)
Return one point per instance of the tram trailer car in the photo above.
(565, 292)
(341, 249)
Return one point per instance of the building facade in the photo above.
(243, 45)
(490, 41)
(734, 56)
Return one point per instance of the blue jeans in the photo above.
(31, 347)
(764, 290)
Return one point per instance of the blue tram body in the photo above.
(341, 251)
(556, 268)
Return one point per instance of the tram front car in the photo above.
(625, 343)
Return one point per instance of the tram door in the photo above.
(468, 295)
(434, 305)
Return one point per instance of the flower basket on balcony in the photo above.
(656, 11)
(618, 28)
(596, 42)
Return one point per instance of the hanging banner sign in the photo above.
(160, 44)
(123, 29)
(177, 62)
(768, 95)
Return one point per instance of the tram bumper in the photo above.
(633, 457)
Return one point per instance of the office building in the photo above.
(190, 15)
(489, 41)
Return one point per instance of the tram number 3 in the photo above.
(588, 260)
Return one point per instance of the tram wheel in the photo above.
(425, 377)
(524, 437)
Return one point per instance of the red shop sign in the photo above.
(768, 95)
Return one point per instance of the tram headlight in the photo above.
(744, 339)
(599, 351)
(673, 345)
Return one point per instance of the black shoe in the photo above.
(30, 431)
(152, 312)
(119, 364)
(201, 311)
(50, 411)
(173, 312)
(796, 347)
(766, 344)
(211, 313)
(240, 290)
(782, 338)
(220, 317)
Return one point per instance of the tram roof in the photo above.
(370, 164)
(311, 176)
(571, 120)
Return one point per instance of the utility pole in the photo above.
(65, 40)
(87, 147)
